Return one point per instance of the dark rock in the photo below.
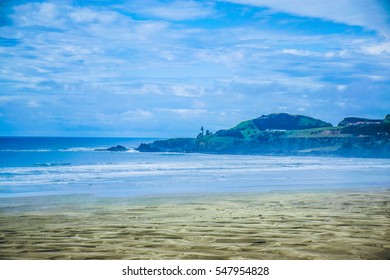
(147, 148)
(178, 145)
(117, 148)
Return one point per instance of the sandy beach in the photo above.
(338, 224)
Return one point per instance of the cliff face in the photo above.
(284, 134)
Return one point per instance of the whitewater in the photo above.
(50, 166)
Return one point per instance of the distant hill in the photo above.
(285, 134)
(285, 121)
(357, 121)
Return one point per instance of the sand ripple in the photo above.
(327, 225)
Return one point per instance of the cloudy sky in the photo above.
(164, 68)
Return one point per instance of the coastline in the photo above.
(325, 224)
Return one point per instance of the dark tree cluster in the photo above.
(203, 133)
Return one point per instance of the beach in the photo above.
(61, 199)
(327, 225)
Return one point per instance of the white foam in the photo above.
(78, 149)
(199, 171)
(32, 150)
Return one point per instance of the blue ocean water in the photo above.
(41, 151)
(56, 165)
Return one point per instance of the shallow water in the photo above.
(136, 174)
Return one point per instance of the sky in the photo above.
(156, 68)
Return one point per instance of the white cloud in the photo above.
(61, 15)
(332, 54)
(341, 87)
(299, 52)
(4, 100)
(150, 89)
(136, 114)
(228, 57)
(377, 77)
(341, 104)
(175, 10)
(382, 48)
(183, 112)
(172, 89)
(103, 60)
(38, 14)
(199, 104)
(85, 15)
(168, 55)
(187, 91)
(33, 104)
(365, 13)
(307, 53)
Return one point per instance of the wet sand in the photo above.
(338, 224)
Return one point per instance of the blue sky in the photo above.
(164, 68)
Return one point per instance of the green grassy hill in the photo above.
(285, 134)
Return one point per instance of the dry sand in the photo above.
(352, 224)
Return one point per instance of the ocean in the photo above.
(61, 199)
(35, 166)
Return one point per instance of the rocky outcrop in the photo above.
(283, 134)
(178, 145)
(117, 148)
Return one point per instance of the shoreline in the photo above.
(324, 224)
